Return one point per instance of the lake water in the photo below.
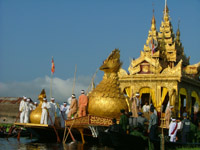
(28, 144)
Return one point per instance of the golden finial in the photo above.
(153, 22)
(178, 32)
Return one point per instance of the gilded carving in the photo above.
(107, 99)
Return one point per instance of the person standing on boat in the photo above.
(152, 124)
(52, 111)
(35, 105)
(27, 111)
(44, 116)
(173, 128)
(140, 121)
(168, 114)
(22, 109)
(82, 104)
(73, 107)
(134, 110)
(185, 128)
(145, 110)
(64, 109)
(123, 120)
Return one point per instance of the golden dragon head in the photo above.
(112, 63)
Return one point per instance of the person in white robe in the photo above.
(173, 127)
(44, 116)
(34, 105)
(64, 109)
(52, 111)
(27, 110)
(22, 109)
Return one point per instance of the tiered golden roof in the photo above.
(163, 70)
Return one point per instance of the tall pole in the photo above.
(51, 85)
(52, 71)
(74, 79)
(165, 7)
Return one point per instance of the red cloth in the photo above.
(82, 104)
(52, 66)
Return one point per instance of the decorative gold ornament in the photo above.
(35, 115)
(106, 99)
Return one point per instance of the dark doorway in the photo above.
(144, 98)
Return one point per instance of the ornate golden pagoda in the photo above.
(162, 73)
(107, 99)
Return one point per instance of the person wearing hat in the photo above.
(22, 109)
(134, 110)
(73, 107)
(173, 128)
(185, 128)
(168, 114)
(64, 109)
(152, 124)
(35, 105)
(82, 104)
(123, 122)
(44, 116)
(27, 110)
(140, 121)
(52, 111)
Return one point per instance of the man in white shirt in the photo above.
(34, 105)
(52, 111)
(173, 127)
(146, 108)
(22, 109)
(45, 107)
(27, 111)
(64, 109)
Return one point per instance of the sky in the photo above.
(82, 33)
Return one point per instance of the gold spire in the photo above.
(178, 30)
(153, 22)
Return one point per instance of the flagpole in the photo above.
(74, 79)
(165, 7)
(51, 85)
(52, 71)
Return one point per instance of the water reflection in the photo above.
(28, 144)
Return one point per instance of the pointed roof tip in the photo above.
(178, 30)
(153, 21)
(167, 9)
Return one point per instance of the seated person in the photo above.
(114, 127)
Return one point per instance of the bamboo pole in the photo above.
(74, 79)
(51, 85)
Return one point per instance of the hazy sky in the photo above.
(82, 32)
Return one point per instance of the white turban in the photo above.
(44, 99)
(173, 119)
(52, 98)
(35, 102)
(28, 100)
(24, 97)
(82, 91)
(137, 94)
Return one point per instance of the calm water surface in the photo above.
(28, 144)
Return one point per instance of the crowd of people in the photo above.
(145, 120)
(68, 110)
